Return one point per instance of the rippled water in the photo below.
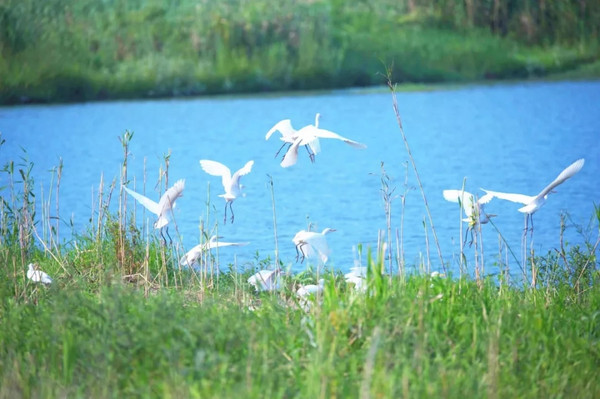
(509, 137)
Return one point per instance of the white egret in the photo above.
(534, 202)
(309, 136)
(473, 209)
(163, 209)
(266, 280)
(193, 254)
(306, 291)
(36, 275)
(358, 277)
(231, 184)
(311, 243)
(289, 135)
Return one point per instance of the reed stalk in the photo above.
(392, 88)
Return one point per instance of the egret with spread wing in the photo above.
(534, 202)
(231, 184)
(473, 209)
(309, 135)
(193, 254)
(312, 244)
(164, 207)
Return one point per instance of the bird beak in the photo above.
(491, 215)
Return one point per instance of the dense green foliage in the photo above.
(70, 50)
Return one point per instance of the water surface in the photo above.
(506, 137)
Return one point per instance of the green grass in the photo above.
(414, 338)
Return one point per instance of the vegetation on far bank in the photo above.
(66, 50)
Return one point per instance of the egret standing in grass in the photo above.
(164, 208)
(36, 275)
(474, 210)
(231, 184)
(309, 135)
(193, 254)
(534, 202)
(312, 244)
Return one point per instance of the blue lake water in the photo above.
(504, 137)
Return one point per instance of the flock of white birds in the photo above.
(311, 244)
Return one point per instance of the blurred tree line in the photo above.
(86, 49)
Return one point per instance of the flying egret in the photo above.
(308, 136)
(311, 243)
(231, 184)
(473, 209)
(36, 275)
(163, 209)
(289, 135)
(266, 280)
(193, 254)
(534, 202)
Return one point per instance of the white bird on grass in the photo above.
(534, 202)
(266, 280)
(358, 277)
(289, 135)
(164, 208)
(306, 291)
(193, 254)
(36, 275)
(473, 209)
(311, 243)
(308, 136)
(231, 184)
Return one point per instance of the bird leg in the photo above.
(163, 237)
(225, 217)
(311, 154)
(231, 209)
(168, 235)
(299, 251)
(281, 148)
(470, 228)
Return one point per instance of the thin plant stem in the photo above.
(412, 160)
(274, 222)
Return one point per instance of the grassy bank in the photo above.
(415, 338)
(68, 50)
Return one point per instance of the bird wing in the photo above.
(190, 257)
(215, 168)
(291, 156)
(235, 180)
(317, 245)
(567, 173)
(326, 134)
(285, 128)
(152, 206)
(465, 198)
(168, 198)
(519, 198)
(230, 244)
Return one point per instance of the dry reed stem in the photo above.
(412, 160)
